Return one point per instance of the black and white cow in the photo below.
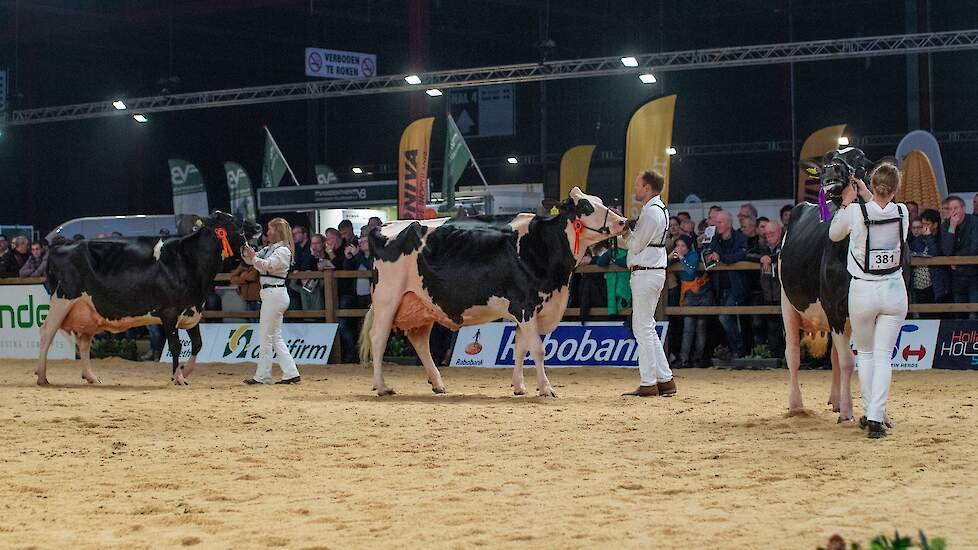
(114, 285)
(814, 279)
(476, 270)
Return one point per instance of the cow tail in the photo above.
(368, 321)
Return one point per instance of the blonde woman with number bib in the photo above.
(877, 232)
(273, 264)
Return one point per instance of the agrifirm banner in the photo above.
(309, 343)
(23, 309)
(915, 346)
(595, 344)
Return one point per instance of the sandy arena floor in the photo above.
(137, 463)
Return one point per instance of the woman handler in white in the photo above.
(877, 232)
(273, 263)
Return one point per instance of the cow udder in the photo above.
(82, 318)
(413, 313)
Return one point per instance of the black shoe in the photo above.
(876, 429)
(863, 422)
(251, 381)
(293, 380)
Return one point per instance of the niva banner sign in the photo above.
(602, 344)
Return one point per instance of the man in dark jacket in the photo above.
(959, 237)
(768, 329)
(15, 258)
(728, 247)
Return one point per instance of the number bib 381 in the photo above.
(883, 259)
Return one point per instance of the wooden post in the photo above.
(330, 301)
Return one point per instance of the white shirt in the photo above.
(274, 259)
(650, 228)
(850, 222)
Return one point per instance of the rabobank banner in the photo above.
(309, 343)
(595, 344)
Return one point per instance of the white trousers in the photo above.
(646, 290)
(274, 302)
(877, 310)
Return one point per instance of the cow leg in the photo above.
(56, 315)
(195, 344)
(173, 339)
(845, 364)
(792, 351)
(84, 353)
(531, 339)
(836, 378)
(380, 331)
(519, 387)
(420, 339)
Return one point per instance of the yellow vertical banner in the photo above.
(919, 184)
(574, 166)
(817, 144)
(412, 170)
(646, 143)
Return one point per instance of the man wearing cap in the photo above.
(647, 263)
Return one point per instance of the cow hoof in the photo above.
(43, 382)
(437, 390)
(92, 380)
(519, 392)
(549, 392)
(381, 392)
(843, 419)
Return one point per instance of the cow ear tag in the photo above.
(222, 234)
(199, 223)
(578, 227)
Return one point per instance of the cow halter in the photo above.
(222, 235)
(579, 227)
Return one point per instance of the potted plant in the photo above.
(758, 358)
(399, 351)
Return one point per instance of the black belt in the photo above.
(263, 287)
(635, 268)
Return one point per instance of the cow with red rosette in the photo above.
(117, 284)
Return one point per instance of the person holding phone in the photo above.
(273, 263)
(877, 231)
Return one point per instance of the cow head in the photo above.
(235, 231)
(590, 220)
(834, 169)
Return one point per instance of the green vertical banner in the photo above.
(239, 189)
(189, 193)
(457, 158)
(275, 165)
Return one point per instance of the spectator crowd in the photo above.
(694, 247)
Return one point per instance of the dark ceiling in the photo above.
(69, 52)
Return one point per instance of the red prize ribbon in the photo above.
(222, 234)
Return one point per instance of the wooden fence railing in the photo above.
(332, 312)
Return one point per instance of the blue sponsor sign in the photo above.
(601, 344)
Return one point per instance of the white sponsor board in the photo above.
(603, 344)
(340, 64)
(915, 346)
(309, 343)
(23, 309)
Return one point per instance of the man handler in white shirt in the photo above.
(647, 263)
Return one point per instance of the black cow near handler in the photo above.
(814, 279)
(117, 284)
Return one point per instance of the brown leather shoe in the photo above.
(644, 391)
(666, 388)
